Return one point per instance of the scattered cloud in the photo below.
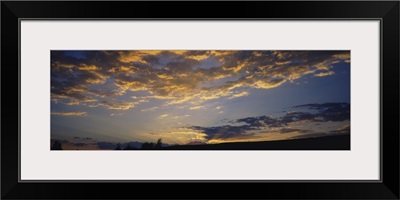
(82, 138)
(292, 130)
(325, 74)
(343, 130)
(69, 113)
(240, 94)
(164, 116)
(149, 109)
(180, 116)
(315, 113)
(178, 77)
(196, 107)
(118, 105)
(223, 132)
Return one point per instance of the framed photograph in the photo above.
(290, 96)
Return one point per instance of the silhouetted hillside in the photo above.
(338, 142)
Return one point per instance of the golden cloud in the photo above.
(69, 113)
(163, 115)
(136, 56)
(196, 107)
(179, 76)
(84, 67)
(118, 105)
(329, 73)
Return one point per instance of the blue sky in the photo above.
(196, 96)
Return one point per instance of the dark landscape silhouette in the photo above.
(56, 146)
(331, 142)
(337, 142)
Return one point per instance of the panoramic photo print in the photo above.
(200, 100)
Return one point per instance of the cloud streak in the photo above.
(69, 113)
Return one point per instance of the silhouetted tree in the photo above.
(158, 144)
(118, 147)
(56, 146)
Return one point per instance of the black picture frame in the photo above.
(386, 11)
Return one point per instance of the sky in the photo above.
(197, 96)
